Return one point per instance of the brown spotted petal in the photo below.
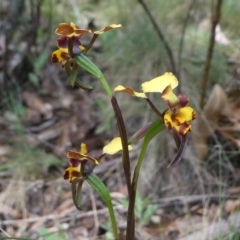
(70, 30)
(71, 173)
(76, 155)
(81, 155)
(129, 91)
(183, 128)
(180, 121)
(107, 28)
(60, 55)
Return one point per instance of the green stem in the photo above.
(153, 130)
(105, 85)
(156, 127)
(99, 186)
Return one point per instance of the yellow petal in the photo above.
(168, 120)
(73, 25)
(107, 28)
(185, 114)
(114, 146)
(169, 97)
(160, 83)
(181, 120)
(83, 149)
(129, 91)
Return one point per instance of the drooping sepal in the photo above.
(77, 193)
(180, 151)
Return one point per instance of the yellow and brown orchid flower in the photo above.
(178, 115)
(76, 159)
(69, 43)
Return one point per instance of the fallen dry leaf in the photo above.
(231, 206)
(206, 122)
(36, 105)
(4, 150)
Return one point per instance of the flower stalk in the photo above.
(124, 140)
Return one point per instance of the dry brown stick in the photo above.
(65, 217)
(162, 38)
(215, 19)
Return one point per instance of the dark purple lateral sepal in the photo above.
(181, 148)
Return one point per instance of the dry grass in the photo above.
(130, 56)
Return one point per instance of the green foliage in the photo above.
(28, 163)
(235, 235)
(107, 226)
(143, 210)
(47, 235)
(38, 63)
(138, 54)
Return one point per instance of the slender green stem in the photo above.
(105, 85)
(155, 128)
(99, 186)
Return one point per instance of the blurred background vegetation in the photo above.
(41, 116)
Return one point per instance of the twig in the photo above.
(215, 19)
(162, 38)
(188, 200)
(59, 216)
(94, 208)
(4, 232)
(181, 43)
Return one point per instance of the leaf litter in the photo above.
(59, 117)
